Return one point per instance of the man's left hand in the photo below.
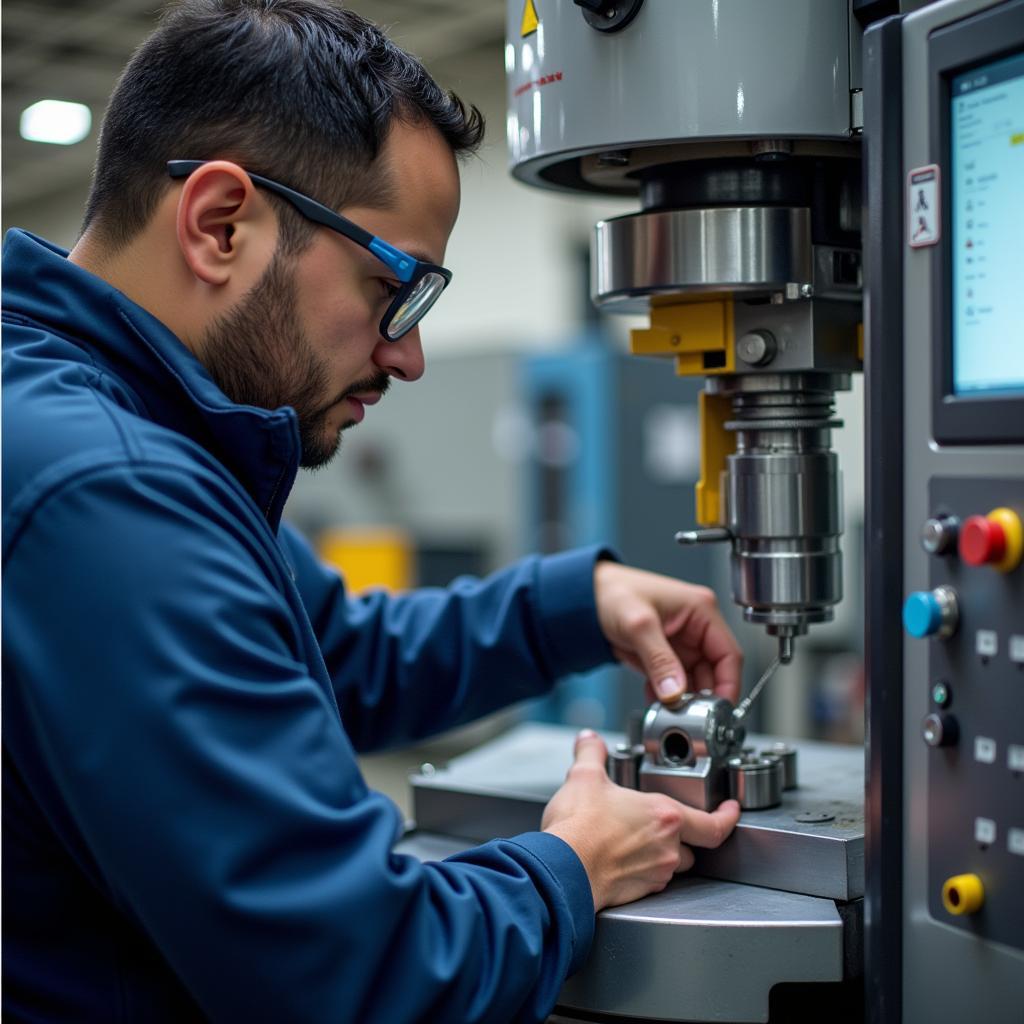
(672, 632)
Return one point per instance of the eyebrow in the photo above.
(419, 254)
(416, 254)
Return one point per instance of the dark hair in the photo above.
(296, 90)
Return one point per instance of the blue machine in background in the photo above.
(615, 460)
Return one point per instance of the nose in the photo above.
(403, 358)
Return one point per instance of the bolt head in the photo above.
(756, 348)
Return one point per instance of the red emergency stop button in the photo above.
(982, 541)
(996, 539)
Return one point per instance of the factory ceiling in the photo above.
(63, 49)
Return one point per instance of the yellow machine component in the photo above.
(963, 894)
(716, 443)
(369, 558)
(699, 334)
(701, 337)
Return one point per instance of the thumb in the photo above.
(590, 749)
(663, 669)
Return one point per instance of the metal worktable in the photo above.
(778, 904)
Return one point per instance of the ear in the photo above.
(221, 222)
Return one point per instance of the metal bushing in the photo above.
(623, 764)
(787, 756)
(755, 782)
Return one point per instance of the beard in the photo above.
(258, 355)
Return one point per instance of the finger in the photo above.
(686, 858)
(590, 749)
(706, 632)
(702, 676)
(724, 654)
(709, 830)
(660, 665)
(727, 676)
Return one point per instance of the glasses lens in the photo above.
(423, 295)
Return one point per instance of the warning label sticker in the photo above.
(923, 220)
(530, 20)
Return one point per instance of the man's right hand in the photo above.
(630, 843)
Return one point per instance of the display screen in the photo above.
(987, 227)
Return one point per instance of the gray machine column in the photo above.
(946, 841)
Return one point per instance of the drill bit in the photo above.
(744, 706)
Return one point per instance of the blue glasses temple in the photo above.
(402, 265)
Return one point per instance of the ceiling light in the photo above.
(56, 121)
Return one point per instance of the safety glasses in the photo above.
(422, 283)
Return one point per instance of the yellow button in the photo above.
(1014, 533)
(963, 894)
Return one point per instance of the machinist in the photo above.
(186, 833)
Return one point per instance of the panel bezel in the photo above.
(964, 419)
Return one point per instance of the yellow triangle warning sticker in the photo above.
(530, 19)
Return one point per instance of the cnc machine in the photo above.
(822, 187)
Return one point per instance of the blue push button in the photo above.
(931, 612)
(922, 614)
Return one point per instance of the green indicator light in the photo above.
(940, 694)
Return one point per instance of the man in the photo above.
(186, 831)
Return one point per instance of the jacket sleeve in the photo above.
(204, 773)
(407, 666)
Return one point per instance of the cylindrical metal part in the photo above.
(768, 71)
(785, 647)
(939, 534)
(713, 535)
(635, 727)
(696, 726)
(756, 783)
(787, 758)
(782, 498)
(624, 764)
(940, 730)
(726, 250)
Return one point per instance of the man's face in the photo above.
(307, 335)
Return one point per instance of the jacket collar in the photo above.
(259, 447)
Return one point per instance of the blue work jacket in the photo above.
(186, 832)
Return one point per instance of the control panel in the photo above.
(944, 864)
(969, 613)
